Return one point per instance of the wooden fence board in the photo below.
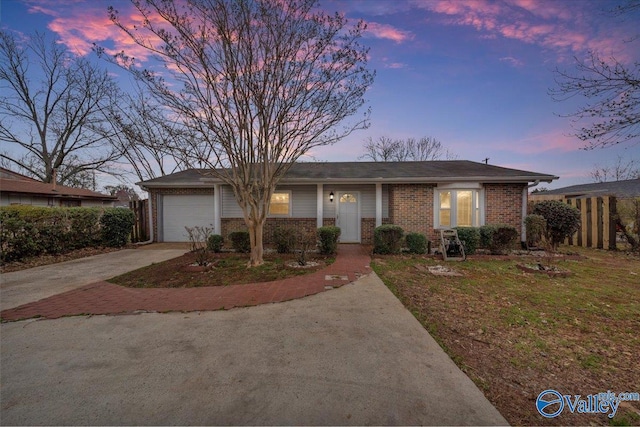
(597, 224)
(140, 231)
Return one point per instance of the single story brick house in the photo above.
(18, 189)
(356, 196)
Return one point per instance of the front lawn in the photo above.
(228, 269)
(517, 334)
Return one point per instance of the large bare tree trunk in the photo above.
(257, 249)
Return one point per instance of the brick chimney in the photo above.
(54, 178)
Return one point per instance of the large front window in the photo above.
(458, 208)
(280, 203)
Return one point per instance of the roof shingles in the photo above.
(434, 171)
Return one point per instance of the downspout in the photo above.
(525, 198)
(150, 222)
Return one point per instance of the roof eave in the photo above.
(209, 182)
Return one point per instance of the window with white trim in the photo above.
(458, 208)
(280, 203)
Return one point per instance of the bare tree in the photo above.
(611, 113)
(151, 143)
(623, 169)
(123, 192)
(259, 82)
(384, 149)
(56, 121)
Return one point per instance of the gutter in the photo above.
(210, 182)
(525, 198)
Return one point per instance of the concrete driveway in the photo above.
(349, 356)
(33, 284)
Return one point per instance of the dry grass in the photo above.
(517, 334)
(227, 269)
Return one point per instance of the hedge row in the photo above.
(27, 231)
(498, 238)
(286, 239)
(388, 239)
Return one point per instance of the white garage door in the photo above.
(179, 212)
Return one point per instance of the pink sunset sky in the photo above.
(474, 74)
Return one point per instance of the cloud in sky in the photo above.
(558, 26)
(81, 23)
(553, 140)
(514, 62)
(386, 31)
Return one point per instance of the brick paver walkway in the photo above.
(106, 298)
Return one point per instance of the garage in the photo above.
(183, 211)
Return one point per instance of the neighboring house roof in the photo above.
(626, 188)
(12, 182)
(362, 172)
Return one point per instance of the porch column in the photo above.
(378, 204)
(319, 205)
(217, 203)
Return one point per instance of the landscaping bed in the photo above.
(41, 260)
(227, 268)
(517, 333)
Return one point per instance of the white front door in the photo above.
(348, 217)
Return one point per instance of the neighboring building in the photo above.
(607, 211)
(622, 189)
(17, 189)
(356, 196)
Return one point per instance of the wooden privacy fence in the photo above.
(597, 220)
(140, 231)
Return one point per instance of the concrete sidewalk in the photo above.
(350, 356)
(33, 284)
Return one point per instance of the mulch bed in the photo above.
(54, 259)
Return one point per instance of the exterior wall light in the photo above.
(331, 196)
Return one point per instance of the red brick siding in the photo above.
(411, 207)
(229, 225)
(155, 192)
(326, 222)
(366, 229)
(503, 204)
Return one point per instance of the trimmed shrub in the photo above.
(116, 225)
(328, 239)
(53, 227)
(240, 241)
(470, 237)
(27, 231)
(416, 242)
(387, 239)
(562, 220)
(486, 235)
(503, 239)
(18, 237)
(536, 226)
(84, 227)
(285, 239)
(215, 243)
